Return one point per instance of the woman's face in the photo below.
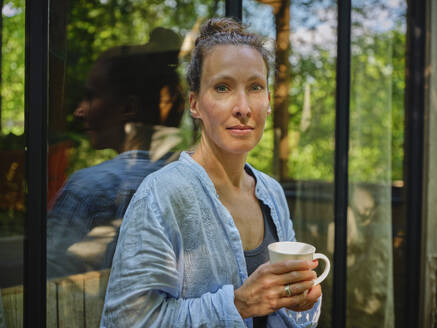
(233, 100)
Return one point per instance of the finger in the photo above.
(296, 276)
(295, 301)
(314, 293)
(309, 303)
(290, 265)
(296, 289)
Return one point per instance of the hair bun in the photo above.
(219, 26)
(221, 31)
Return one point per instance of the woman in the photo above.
(195, 230)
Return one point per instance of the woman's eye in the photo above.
(221, 88)
(257, 87)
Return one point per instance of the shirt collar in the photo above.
(199, 170)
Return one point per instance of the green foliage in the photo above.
(377, 81)
(83, 155)
(377, 89)
(94, 26)
(312, 149)
(376, 112)
(261, 156)
(377, 107)
(12, 68)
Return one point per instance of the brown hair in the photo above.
(221, 31)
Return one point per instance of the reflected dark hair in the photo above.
(221, 31)
(143, 71)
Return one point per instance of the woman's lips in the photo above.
(240, 130)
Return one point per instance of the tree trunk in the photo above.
(282, 85)
(281, 10)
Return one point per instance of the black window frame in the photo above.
(36, 104)
(36, 107)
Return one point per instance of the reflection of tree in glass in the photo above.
(12, 139)
(12, 68)
(378, 62)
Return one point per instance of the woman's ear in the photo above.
(194, 105)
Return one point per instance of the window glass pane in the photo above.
(298, 143)
(117, 102)
(375, 164)
(299, 148)
(12, 162)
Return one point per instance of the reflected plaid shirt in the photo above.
(93, 197)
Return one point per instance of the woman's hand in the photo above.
(264, 290)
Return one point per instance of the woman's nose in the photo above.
(241, 108)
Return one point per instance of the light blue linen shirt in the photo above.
(179, 256)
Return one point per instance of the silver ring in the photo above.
(287, 290)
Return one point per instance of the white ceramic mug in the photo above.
(292, 250)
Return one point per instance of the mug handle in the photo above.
(327, 267)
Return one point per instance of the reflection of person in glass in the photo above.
(192, 250)
(133, 104)
(369, 257)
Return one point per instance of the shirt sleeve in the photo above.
(146, 281)
(288, 318)
(67, 223)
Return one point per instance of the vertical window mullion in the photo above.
(234, 8)
(341, 162)
(414, 152)
(36, 162)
